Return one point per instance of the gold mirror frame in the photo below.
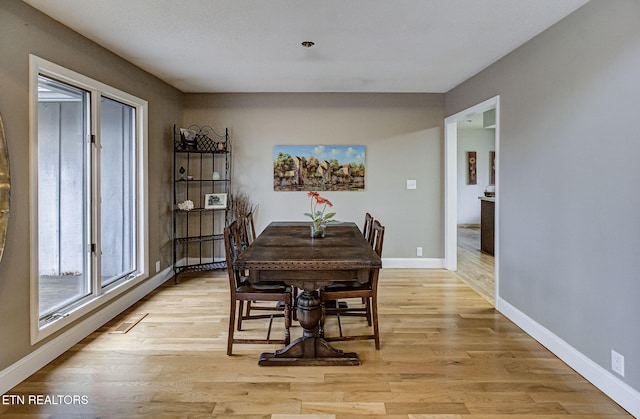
(5, 188)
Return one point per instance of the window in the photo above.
(89, 158)
(117, 190)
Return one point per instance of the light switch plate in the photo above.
(412, 184)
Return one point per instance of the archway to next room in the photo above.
(471, 169)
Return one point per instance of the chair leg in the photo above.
(367, 304)
(294, 303)
(232, 322)
(323, 317)
(241, 313)
(287, 323)
(374, 312)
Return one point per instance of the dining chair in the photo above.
(367, 229)
(242, 290)
(344, 290)
(367, 232)
(247, 236)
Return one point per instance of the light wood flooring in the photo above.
(475, 268)
(446, 353)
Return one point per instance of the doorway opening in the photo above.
(458, 236)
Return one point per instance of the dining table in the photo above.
(285, 252)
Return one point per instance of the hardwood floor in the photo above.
(446, 353)
(475, 268)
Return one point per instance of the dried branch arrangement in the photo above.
(241, 205)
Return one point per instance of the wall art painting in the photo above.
(472, 173)
(318, 168)
(492, 168)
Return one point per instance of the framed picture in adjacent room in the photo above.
(472, 172)
(492, 168)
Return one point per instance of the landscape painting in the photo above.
(318, 168)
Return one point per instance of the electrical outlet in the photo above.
(157, 266)
(617, 363)
(419, 251)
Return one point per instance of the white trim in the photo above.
(22, 369)
(607, 382)
(413, 263)
(451, 194)
(451, 186)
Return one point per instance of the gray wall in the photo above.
(23, 31)
(568, 178)
(403, 136)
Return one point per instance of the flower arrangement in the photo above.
(318, 217)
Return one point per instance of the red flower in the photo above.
(313, 194)
(320, 200)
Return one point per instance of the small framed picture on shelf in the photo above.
(215, 201)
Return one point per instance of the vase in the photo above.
(317, 231)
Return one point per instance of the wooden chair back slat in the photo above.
(367, 230)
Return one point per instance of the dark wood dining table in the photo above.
(285, 252)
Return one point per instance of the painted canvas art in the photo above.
(319, 168)
(472, 173)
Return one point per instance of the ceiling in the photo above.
(426, 46)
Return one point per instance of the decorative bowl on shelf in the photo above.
(490, 191)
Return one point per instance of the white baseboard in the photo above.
(607, 382)
(21, 370)
(413, 263)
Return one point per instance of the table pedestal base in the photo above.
(310, 349)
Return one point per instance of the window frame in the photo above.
(100, 295)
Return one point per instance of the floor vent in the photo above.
(128, 323)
